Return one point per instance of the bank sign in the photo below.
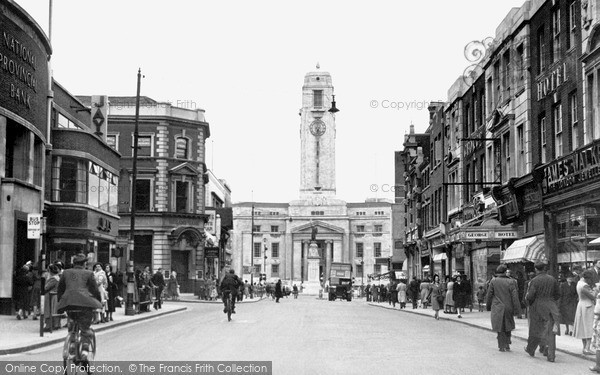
(23, 73)
(579, 167)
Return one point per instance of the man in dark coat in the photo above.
(77, 290)
(158, 279)
(542, 299)
(413, 291)
(503, 302)
(230, 283)
(278, 291)
(596, 270)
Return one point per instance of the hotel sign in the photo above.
(579, 167)
(552, 81)
(488, 235)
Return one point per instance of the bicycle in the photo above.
(228, 304)
(74, 363)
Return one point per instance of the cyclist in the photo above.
(231, 283)
(77, 290)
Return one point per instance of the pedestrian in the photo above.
(449, 308)
(375, 293)
(112, 292)
(36, 291)
(23, 284)
(530, 277)
(393, 294)
(425, 291)
(278, 291)
(437, 296)
(52, 319)
(295, 290)
(596, 274)
(596, 334)
(102, 283)
(542, 299)
(568, 302)
(158, 279)
(461, 295)
(584, 314)
(480, 297)
(401, 288)
(246, 289)
(368, 291)
(503, 302)
(413, 291)
(173, 286)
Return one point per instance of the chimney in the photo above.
(412, 129)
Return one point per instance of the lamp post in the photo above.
(251, 251)
(129, 309)
(362, 276)
(265, 257)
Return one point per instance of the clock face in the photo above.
(318, 128)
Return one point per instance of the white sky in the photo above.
(244, 63)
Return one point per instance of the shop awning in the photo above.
(578, 256)
(530, 249)
(439, 257)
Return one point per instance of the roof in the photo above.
(120, 100)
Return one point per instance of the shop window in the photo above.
(143, 194)
(275, 250)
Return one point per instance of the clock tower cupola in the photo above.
(317, 137)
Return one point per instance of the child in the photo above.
(480, 297)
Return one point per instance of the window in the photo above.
(317, 98)
(360, 228)
(359, 270)
(142, 194)
(360, 213)
(65, 123)
(573, 21)
(181, 148)
(377, 268)
(317, 213)
(274, 270)
(257, 250)
(360, 247)
(144, 145)
(520, 67)
(274, 228)
(520, 155)
(541, 52)
(497, 85)
(558, 133)
(256, 228)
(556, 34)
(379, 213)
(69, 180)
(377, 249)
(506, 156)
(543, 137)
(257, 269)
(181, 196)
(378, 228)
(275, 250)
(574, 120)
(112, 141)
(216, 200)
(506, 73)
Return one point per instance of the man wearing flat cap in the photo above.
(542, 299)
(503, 302)
(77, 290)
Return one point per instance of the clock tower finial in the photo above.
(318, 66)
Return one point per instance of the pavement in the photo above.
(18, 336)
(564, 343)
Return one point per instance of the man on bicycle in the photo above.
(230, 284)
(77, 290)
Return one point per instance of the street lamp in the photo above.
(362, 276)
(265, 257)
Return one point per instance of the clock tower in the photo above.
(317, 137)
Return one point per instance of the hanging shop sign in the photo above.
(577, 168)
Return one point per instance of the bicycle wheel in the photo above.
(229, 307)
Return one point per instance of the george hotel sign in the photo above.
(552, 81)
(579, 167)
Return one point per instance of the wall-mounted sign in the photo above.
(579, 167)
(34, 226)
(210, 225)
(506, 235)
(211, 252)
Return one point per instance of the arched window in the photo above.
(181, 148)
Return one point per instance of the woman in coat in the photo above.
(449, 308)
(102, 282)
(568, 303)
(461, 295)
(584, 315)
(173, 286)
(50, 301)
(278, 291)
(425, 290)
(437, 296)
(503, 301)
(393, 294)
(401, 288)
(111, 291)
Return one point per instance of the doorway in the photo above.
(180, 264)
(24, 248)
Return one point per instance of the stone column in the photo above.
(328, 256)
(305, 260)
